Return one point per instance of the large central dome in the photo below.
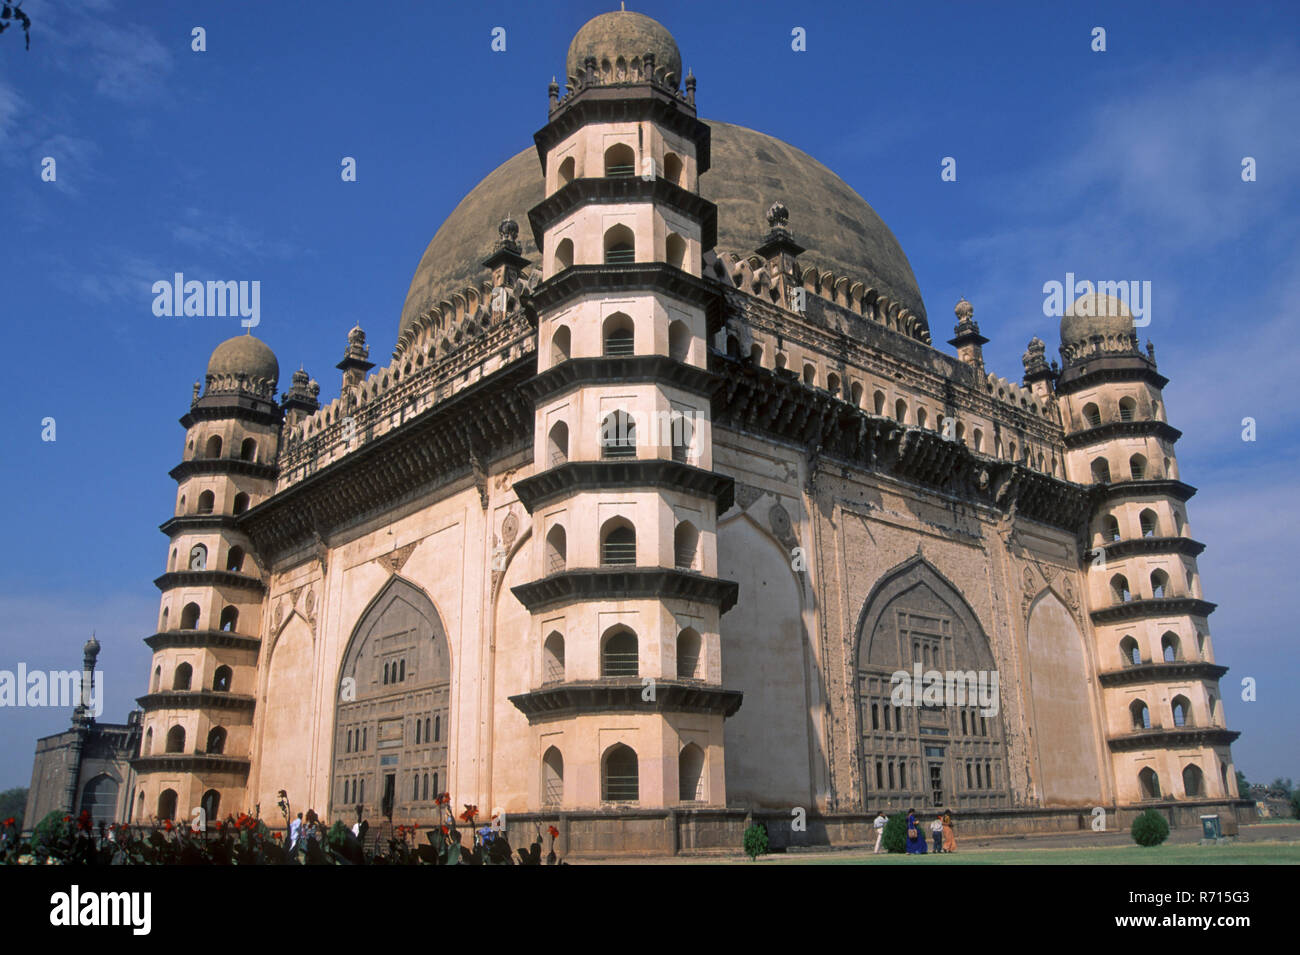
(749, 171)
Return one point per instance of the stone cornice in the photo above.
(1111, 368)
(622, 279)
(1162, 672)
(626, 583)
(1122, 429)
(451, 440)
(229, 406)
(1172, 738)
(575, 476)
(195, 700)
(660, 369)
(625, 695)
(189, 523)
(190, 763)
(626, 103)
(624, 189)
(754, 399)
(208, 578)
(1153, 607)
(202, 639)
(1151, 487)
(1148, 545)
(223, 466)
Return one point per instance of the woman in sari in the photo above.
(915, 838)
(949, 838)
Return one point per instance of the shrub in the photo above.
(755, 840)
(895, 839)
(1150, 829)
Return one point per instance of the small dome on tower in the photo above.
(243, 357)
(627, 35)
(1095, 314)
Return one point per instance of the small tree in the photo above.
(755, 840)
(1150, 829)
(895, 838)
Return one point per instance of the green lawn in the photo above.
(1253, 853)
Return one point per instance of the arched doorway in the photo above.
(99, 798)
(396, 675)
(934, 755)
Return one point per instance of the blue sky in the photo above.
(1123, 164)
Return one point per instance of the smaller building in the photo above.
(88, 765)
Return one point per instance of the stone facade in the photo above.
(468, 573)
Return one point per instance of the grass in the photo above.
(1252, 853)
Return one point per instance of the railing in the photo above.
(617, 663)
(616, 552)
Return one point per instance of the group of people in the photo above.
(941, 831)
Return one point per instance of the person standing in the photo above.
(879, 825)
(915, 839)
(936, 834)
(295, 832)
(949, 836)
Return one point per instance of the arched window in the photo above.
(147, 748)
(675, 251)
(213, 449)
(437, 728)
(1149, 522)
(419, 728)
(756, 354)
(248, 450)
(780, 362)
(229, 619)
(167, 804)
(553, 658)
(618, 542)
(1182, 708)
(560, 343)
(235, 559)
(556, 550)
(427, 736)
(1111, 525)
(198, 557)
(618, 655)
(1130, 652)
(1193, 782)
(673, 169)
(690, 774)
(240, 503)
(387, 671)
(620, 245)
(618, 435)
(1213, 705)
(878, 403)
(182, 676)
(682, 436)
(1100, 471)
(1119, 589)
(733, 346)
(856, 393)
(679, 341)
(99, 798)
(978, 436)
(619, 781)
(563, 256)
(216, 741)
(686, 540)
(221, 679)
(1137, 467)
(1012, 455)
(207, 500)
(620, 160)
(618, 335)
(1127, 409)
(900, 411)
(176, 739)
(809, 373)
(1159, 583)
(1169, 647)
(833, 385)
(552, 777)
(157, 680)
(688, 655)
(567, 171)
(415, 787)
(1092, 415)
(921, 418)
(164, 618)
(1141, 715)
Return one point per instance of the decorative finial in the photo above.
(964, 310)
(778, 216)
